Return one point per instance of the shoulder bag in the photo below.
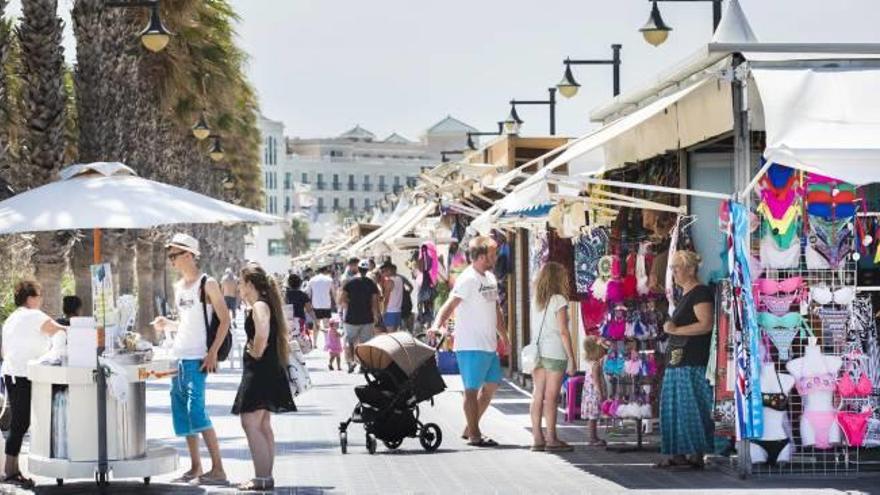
(213, 324)
(529, 354)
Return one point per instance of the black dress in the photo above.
(264, 382)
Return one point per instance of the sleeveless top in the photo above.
(190, 342)
(395, 301)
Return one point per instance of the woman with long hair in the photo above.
(549, 330)
(264, 387)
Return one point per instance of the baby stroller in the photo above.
(401, 372)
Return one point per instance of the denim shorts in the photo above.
(188, 399)
(357, 334)
(478, 368)
(392, 319)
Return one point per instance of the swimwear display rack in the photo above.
(793, 306)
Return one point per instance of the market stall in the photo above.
(79, 430)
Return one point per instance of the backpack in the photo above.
(213, 324)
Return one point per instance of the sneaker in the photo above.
(350, 368)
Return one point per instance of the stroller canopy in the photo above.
(401, 348)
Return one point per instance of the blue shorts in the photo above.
(478, 368)
(188, 399)
(392, 319)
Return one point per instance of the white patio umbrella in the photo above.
(108, 195)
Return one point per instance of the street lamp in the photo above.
(470, 135)
(655, 31)
(200, 130)
(511, 124)
(568, 87)
(216, 151)
(155, 36)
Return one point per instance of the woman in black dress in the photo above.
(264, 387)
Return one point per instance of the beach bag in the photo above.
(529, 354)
(297, 373)
(447, 363)
(213, 324)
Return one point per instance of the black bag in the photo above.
(406, 306)
(213, 324)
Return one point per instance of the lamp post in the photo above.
(512, 123)
(470, 141)
(216, 152)
(155, 36)
(568, 87)
(200, 130)
(443, 154)
(655, 31)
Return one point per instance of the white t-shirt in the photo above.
(476, 319)
(23, 340)
(190, 340)
(550, 345)
(319, 288)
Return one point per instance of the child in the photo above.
(594, 385)
(333, 343)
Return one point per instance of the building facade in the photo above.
(337, 177)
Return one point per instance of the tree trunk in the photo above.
(159, 274)
(125, 259)
(145, 302)
(81, 257)
(49, 264)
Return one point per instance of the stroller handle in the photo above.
(439, 344)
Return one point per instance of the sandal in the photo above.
(539, 447)
(257, 485)
(483, 442)
(673, 463)
(560, 447)
(18, 479)
(185, 478)
(210, 481)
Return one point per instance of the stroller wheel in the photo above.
(343, 442)
(371, 444)
(431, 437)
(393, 444)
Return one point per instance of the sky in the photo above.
(322, 66)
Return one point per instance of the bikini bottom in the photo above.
(821, 422)
(773, 448)
(854, 426)
(782, 338)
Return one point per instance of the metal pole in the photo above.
(100, 379)
(615, 60)
(552, 111)
(716, 14)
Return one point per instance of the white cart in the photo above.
(127, 453)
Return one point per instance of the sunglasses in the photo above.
(173, 256)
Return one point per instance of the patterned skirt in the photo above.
(686, 425)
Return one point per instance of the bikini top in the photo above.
(771, 286)
(776, 401)
(778, 205)
(791, 321)
(825, 193)
(785, 238)
(772, 256)
(819, 383)
(783, 223)
(779, 176)
(829, 211)
(862, 388)
(824, 295)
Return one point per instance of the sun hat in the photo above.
(185, 242)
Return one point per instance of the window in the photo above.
(351, 204)
(320, 205)
(288, 178)
(351, 182)
(277, 247)
(319, 184)
(367, 186)
(287, 204)
(305, 177)
(335, 153)
(366, 203)
(336, 182)
(335, 204)
(381, 187)
(411, 181)
(273, 180)
(396, 180)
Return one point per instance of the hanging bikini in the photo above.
(777, 402)
(782, 330)
(778, 297)
(820, 421)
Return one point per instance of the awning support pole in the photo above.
(647, 187)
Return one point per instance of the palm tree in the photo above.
(296, 235)
(45, 103)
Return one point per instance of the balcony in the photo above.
(337, 186)
(320, 186)
(380, 188)
(351, 186)
(368, 187)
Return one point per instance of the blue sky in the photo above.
(322, 66)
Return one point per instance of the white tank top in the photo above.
(395, 302)
(190, 340)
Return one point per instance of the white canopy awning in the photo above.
(823, 119)
(654, 140)
(405, 225)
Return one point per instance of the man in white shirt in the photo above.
(197, 357)
(478, 326)
(320, 289)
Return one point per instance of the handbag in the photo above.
(529, 354)
(297, 373)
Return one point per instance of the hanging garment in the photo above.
(588, 249)
(673, 247)
(538, 251)
(863, 331)
(834, 323)
(830, 244)
(781, 259)
(749, 402)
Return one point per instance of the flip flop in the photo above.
(483, 442)
(18, 479)
(184, 478)
(208, 481)
(560, 447)
(538, 447)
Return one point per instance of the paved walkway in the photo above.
(309, 460)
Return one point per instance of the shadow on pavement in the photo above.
(118, 487)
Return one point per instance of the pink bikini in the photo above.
(821, 421)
